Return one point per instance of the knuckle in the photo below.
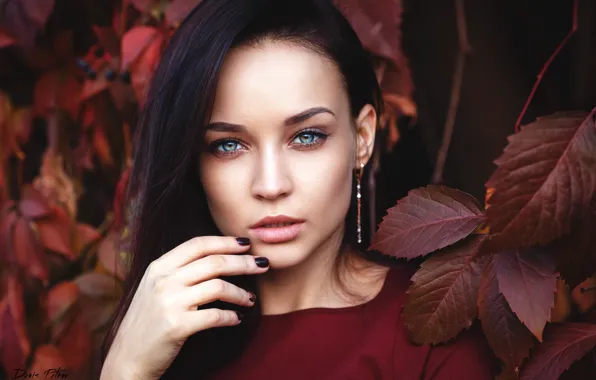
(198, 243)
(216, 317)
(219, 286)
(217, 263)
(173, 327)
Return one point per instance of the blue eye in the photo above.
(227, 146)
(307, 137)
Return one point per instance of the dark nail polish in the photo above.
(243, 240)
(252, 297)
(240, 315)
(262, 262)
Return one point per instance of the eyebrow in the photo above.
(222, 126)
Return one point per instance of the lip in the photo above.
(275, 219)
(276, 234)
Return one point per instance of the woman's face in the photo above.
(262, 159)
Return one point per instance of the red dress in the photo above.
(361, 342)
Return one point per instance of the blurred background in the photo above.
(456, 76)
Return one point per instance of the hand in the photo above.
(163, 312)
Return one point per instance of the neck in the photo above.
(313, 282)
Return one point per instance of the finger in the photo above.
(199, 320)
(214, 290)
(213, 266)
(198, 247)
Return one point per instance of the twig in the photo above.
(464, 48)
(547, 64)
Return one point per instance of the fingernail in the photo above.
(243, 240)
(262, 262)
(252, 297)
(240, 315)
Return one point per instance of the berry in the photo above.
(110, 75)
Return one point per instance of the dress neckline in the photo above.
(320, 310)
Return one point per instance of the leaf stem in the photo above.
(464, 49)
(547, 64)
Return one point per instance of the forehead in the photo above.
(282, 78)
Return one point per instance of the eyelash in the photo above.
(318, 137)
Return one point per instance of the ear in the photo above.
(366, 126)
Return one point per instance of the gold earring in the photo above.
(358, 198)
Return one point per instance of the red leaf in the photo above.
(110, 255)
(108, 39)
(24, 18)
(29, 252)
(96, 312)
(563, 345)
(16, 346)
(49, 362)
(178, 10)
(5, 39)
(76, 345)
(442, 300)
(528, 282)
(546, 177)
(97, 285)
(33, 205)
(144, 67)
(134, 43)
(55, 233)
(56, 90)
(7, 222)
(427, 219)
(510, 340)
(61, 298)
(575, 253)
(143, 5)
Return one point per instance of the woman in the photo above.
(246, 259)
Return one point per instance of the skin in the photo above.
(303, 170)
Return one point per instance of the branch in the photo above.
(547, 64)
(464, 49)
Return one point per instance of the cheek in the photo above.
(222, 184)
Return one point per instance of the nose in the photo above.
(272, 178)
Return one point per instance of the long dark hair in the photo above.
(170, 200)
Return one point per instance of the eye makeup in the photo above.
(305, 139)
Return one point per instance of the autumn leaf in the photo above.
(134, 43)
(56, 232)
(57, 187)
(144, 67)
(30, 254)
(16, 345)
(75, 344)
(48, 358)
(442, 299)
(5, 39)
(528, 282)
(60, 299)
(24, 18)
(32, 204)
(110, 256)
(97, 285)
(509, 339)
(57, 90)
(545, 178)
(426, 220)
(177, 10)
(563, 345)
(575, 253)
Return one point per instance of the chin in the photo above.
(282, 256)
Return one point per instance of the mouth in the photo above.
(276, 229)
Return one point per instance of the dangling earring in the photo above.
(358, 198)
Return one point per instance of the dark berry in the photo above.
(110, 75)
(99, 52)
(125, 76)
(82, 64)
(92, 74)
